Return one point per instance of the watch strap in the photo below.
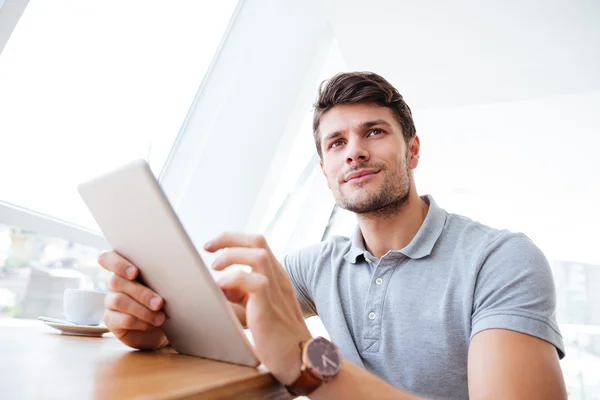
(305, 384)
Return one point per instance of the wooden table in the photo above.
(38, 362)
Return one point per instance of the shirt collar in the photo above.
(420, 246)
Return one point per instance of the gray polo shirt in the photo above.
(409, 317)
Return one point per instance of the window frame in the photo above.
(10, 13)
(26, 219)
(265, 96)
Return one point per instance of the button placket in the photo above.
(374, 307)
(381, 278)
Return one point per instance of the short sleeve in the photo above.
(299, 268)
(515, 291)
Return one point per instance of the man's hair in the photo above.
(361, 87)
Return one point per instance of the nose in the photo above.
(356, 153)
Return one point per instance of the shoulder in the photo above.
(310, 264)
(318, 254)
(480, 239)
(498, 255)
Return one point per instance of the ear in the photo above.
(414, 151)
(324, 173)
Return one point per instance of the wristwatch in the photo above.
(320, 363)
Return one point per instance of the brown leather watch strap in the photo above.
(304, 385)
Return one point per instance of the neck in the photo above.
(394, 228)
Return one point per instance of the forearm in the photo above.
(353, 382)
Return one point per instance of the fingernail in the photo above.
(155, 302)
(159, 319)
(130, 272)
(208, 245)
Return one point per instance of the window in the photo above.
(290, 198)
(35, 269)
(145, 103)
(300, 204)
(86, 86)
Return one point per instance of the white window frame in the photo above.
(10, 13)
(23, 218)
(217, 177)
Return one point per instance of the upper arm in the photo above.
(515, 339)
(515, 290)
(505, 364)
(298, 266)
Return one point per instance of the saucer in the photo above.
(78, 330)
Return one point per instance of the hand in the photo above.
(272, 310)
(132, 310)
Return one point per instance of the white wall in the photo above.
(528, 166)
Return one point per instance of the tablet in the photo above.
(139, 223)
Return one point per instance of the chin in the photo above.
(360, 194)
(355, 203)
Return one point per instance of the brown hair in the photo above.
(361, 87)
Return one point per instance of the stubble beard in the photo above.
(387, 201)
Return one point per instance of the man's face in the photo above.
(365, 158)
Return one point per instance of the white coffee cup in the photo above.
(84, 307)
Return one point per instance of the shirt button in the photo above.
(372, 315)
(379, 281)
(368, 260)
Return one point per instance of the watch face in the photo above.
(323, 356)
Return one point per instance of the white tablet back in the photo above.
(139, 223)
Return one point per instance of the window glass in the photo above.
(88, 85)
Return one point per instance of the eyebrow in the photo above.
(363, 126)
(370, 124)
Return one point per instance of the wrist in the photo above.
(292, 372)
(293, 364)
(321, 362)
(292, 367)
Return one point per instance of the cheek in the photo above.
(398, 164)
(331, 174)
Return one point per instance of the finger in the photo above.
(236, 239)
(114, 262)
(258, 259)
(251, 283)
(125, 304)
(118, 321)
(136, 291)
(236, 296)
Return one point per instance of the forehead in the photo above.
(349, 116)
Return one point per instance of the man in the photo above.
(420, 302)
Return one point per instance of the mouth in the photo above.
(361, 176)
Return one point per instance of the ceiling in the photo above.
(442, 54)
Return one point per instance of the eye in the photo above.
(374, 132)
(336, 144)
